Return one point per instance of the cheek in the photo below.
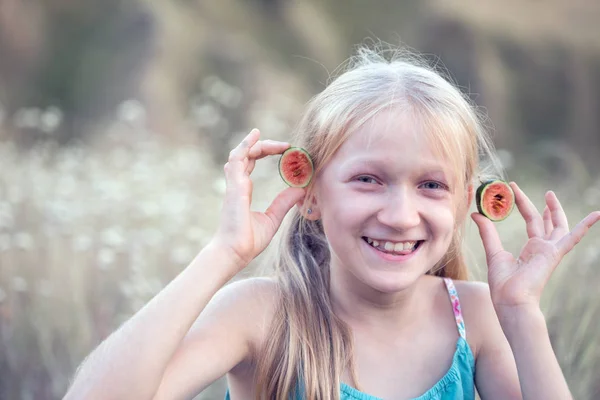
(338, 203)
(443, 220)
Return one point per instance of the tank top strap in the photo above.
(460, 322)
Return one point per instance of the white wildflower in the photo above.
(116, 191)
(66, 185)
(206, 115)
(60, 211)
(119, 158)
(82, 243)
(51, 119)
(152, 237)
(182, 254)
(15, 194)
(67, 163)
(45, 288)
(220, 185)
(113, 237)
(186, 160)
(149, 208)
(132, 111)
(175, 202)
(106, 257)
(269, 122)
(7, 218)
(196, 234)
(19, 284)
(232, 97)
(24, 241)
(208, 82)
(50, 231)
(27, 118)
(224, 93)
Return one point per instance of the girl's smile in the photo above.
(393, 251)
(393, 247)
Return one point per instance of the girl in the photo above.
(369, 298)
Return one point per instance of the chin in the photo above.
(391, 281)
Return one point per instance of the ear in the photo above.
(470, 195)
(311, 202)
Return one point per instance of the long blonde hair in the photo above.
(309, 347)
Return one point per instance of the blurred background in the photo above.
(116, 117)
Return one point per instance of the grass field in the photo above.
(88, 234)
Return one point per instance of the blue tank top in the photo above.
(457, 383)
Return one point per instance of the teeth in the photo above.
(390, 246)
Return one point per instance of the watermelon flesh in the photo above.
(296, 167)
(495, 199)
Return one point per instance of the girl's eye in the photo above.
(434, 185)
(366, 179)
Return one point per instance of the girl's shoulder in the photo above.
(223, 337)
(249, 299)
(254, 290)
(478, 313)
(247, 306)
(472, 293)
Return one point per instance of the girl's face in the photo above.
(386, 203)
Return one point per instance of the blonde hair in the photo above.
(309, 347)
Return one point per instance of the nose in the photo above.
(401, 210)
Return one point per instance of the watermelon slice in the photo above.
(495, 199)
(296, 167)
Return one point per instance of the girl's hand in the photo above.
(516, 282)
(243, 233)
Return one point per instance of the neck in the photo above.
(361, 305)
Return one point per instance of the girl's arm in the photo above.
(516, 285)
(131, 362)
(516, 359)
(149, 351)
(539, 372)
(495, 369)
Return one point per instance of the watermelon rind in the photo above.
(294, 149)
(480, 195)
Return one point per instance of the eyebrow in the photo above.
(424, 167)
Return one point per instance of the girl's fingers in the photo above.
(265, 148)
(533, 219)
(250, 166)
(235, 168)
(283, 203)
(572, 238)
(548, 227)
(238, 185)
(559, 219)
(240, 152)
(489, 236)
(262, 149)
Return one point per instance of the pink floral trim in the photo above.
(460, 322)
